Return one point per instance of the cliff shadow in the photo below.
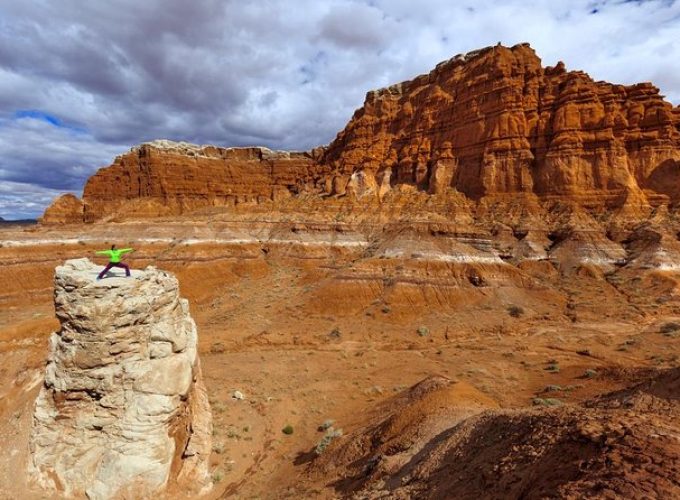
(665, 179)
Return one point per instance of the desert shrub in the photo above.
(589, 373)
(232, 432)
(553, 367)
(217, 348)
(552, 388)
(423, 331)
(669, 328)
(547, 402)
(374, 390)
(515, 311)
(288, 430)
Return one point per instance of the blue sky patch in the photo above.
(47, 118)
(39, 115)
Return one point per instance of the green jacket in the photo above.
(115, 255)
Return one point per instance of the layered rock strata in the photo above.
(496, 122)
(170, 178)
(123, 409)
(66, 209)
(488, 126)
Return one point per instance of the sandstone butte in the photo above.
(492, 125)
(123, 411)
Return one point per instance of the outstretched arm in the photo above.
(126, 250)
(102, 252)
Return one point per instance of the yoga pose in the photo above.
(114, 260)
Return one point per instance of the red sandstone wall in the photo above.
(490, 124)
(170, 179)
(513, 126)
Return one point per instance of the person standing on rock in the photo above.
(115, 256)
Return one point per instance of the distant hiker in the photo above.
(114, 260)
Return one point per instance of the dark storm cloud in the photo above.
(83, 81)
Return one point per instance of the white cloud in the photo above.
(20, 200)
(40, 159)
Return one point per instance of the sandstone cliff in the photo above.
(66, 209)
(169, 178)
(496, 122)
(488, 126)
(123, 408)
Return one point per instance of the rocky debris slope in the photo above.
(620, 445)
(123, 408)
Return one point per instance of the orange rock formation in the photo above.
(66, 209)
(496, 122)
(490, 125)
(167, 178)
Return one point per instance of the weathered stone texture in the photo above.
(513, 126)
(66, 209)
(489, 124)
(168, 178)
(123, 408)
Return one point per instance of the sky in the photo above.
(83, 81)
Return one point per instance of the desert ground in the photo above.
(320, 325)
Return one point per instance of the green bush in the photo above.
(547, 402)
(552, 388)
(553, 367)
(327, 424)
(669, 328)
(288, 430)
(515, 311)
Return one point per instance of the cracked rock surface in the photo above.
(123, 409)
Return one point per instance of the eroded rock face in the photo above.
(170, 178)
(490, 125)
(66, 209)
(514, 126)
(123, 408)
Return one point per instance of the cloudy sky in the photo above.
(82, 81)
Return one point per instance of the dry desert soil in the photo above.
(337, 323)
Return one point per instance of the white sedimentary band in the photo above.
(471, 258)
(188, 241)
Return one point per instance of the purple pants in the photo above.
(114, 264)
